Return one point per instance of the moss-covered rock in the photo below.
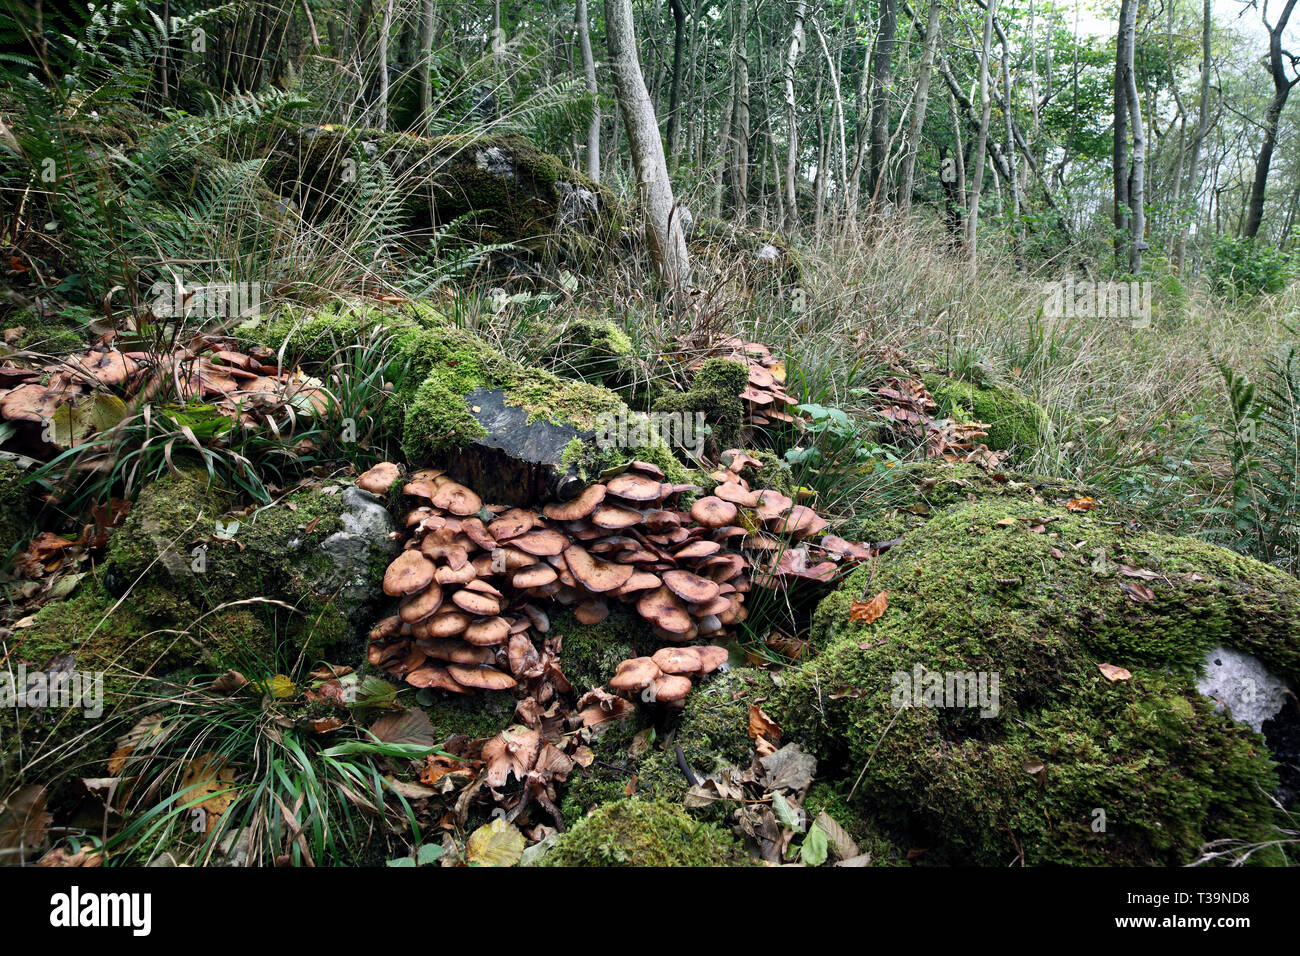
(512, 191)
(756, 255)
(49, 334)
(907, 494)
(642, 833)
(715, 394)
(1067, 765)
(177, 565)
(1014, 422)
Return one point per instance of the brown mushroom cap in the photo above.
(614, 517)
(410, 571)
(801, 522)
(594, 574)
(677, 660)
(458, 652)
(713, 512)
(533, 576)
(697, 549)
(484, 605)
(711, 657)
(539, 619)
(640, 581)
(447, 624)
(421, 604)
(690, 587)
(512, 524)
(579, 507)
(671, 688)
(732, 491)
(385, 629)
(541, 542)
(32, 403)
(475, 531)
(635, 674)
(483, 678)
(420, 488)
(488, 631)
(772, 504)
(591, 612)
(647, 468)
(666, 610)
(521, 654)
(716, 606)
(380, 478)
(433, 675)
(462, 575)
(457, 499)
(634, 487)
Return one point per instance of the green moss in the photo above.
(15, 508)
(49, 335)
(967, 594)
(712, 731)
(715, 393)
(834, 801)
(639, 833)
(1014, 421)
(175, 567)
(475, 715)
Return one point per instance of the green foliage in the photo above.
(638, 833)
(1249, 266)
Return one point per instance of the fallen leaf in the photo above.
(869, 611)
(1138, 592)
(498, 843)
(1080, 504)
(405, 727)
(210, 781)
(761, 725)
(1114, 672)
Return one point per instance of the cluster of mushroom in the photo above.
(240, 384)
(665, 676)
(456, 628)
(765, 397)
(911, 406)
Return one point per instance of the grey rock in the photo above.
(354, 551)
(1241, 685)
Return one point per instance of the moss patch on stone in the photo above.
(714, 392)
(977, 590)
(641, 833)
(1014, 422)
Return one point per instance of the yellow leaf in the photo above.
(498, 843)
(211, 781)
(280, 687)
(778, 370)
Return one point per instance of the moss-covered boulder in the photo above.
(502, 183)
(507, 429)
(907, 494)
(714, 398)
(180, 556)
(642, 833)
(1015, 422)
(1060, 759)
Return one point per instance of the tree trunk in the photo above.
(385, 28)
(666, 239)
(882, 58)
(740, 114)
(1137, 181)
(1198, 141)
(1281, 90)
(675, 92)
(917, 123)
(1119, 151)
(424, 56)
(791, 119)
(981, 142)
(581, 22)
